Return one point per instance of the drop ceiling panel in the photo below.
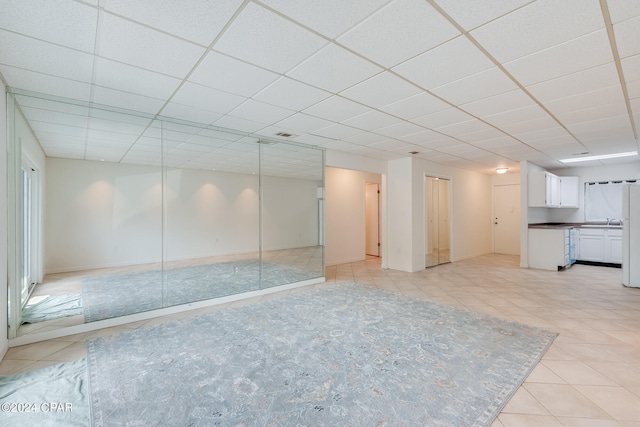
(442, 118)
(484, 84)
(206, 98)
(538, 26)
(130, 101)
(338, 131)
(399, 130)
(448, 62)
(471, 131)
(503, 141)
(222, 72)
(116, 75)
(185, 112)
(609, 95)
(533, 136)
(475, 13)
(621, 10)
(508, 101)
(70, 24)
(334, 69)
(627, 36)
(53, 117)
(291, 94)
(382, 89)
(371, 120)
(576, 83)
(399, 31)
(328, 17)
(260, 112)
(44, 83)
(337, 109)
(239, 124)
(596, 113)
(519, 115)
(200, 22)
(301, 123)
(263, 38)
(35, 55)
(579, 54)
(366, 138)
(134, 44)
(414, 106)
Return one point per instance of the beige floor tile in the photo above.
(522, 402)
(623, 374)
(584, 422)
(37, 351)
(70, 353)
(618, 402)
(564, 401)
(542, 374)
(520, 420)
(576, 372)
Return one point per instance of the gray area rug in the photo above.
(53, 307)
(114, 295)
(343, 355)
(56, 396)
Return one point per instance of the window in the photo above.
(603, 200)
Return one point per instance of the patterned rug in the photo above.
(114, 295)
(343, 355)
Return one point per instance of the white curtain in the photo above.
(603, 200)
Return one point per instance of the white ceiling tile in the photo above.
(576, 83)
(631, 70)
(260, 112)
(531, 136)
(126, 100)
(621, 10)
(334, 69)
(414, 106)
(205, 98)
(542, 123)
(328, 17)
(134, 44)
(442, 118)
(537, 26)
(67, 23)
(231, 75)
(338, 131)
(366, 138)
(481, 135)
(44, 83)
(238, 124)
(266, 39)
(399, 31)
(193, 114)
(596, 113)
(337, 109)
(200, 22)
(470, 127)
(424, 136)
(608, 95)
(371, 120)
(119, 76)
(382, 89)
(391, 144)
(519, 115)
(503, 141)
(474, 13)
(484, 84)
(291, 94)
(566, 58)
(35, 55)
(609, 127)
(46, 116)
(399, 130)
(448, 62)
(59, 129)
(463, 150)
(507, 101)
(633, 89)
(303, 123)
(627, 36)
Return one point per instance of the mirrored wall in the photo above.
(118, 213)
(438, 220)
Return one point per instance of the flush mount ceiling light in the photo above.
(501, 170)
(600, 157)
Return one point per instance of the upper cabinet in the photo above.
(551, 191)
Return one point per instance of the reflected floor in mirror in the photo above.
(74, 298)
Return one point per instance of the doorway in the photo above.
(372, 219)
(437, 221)
(506, 219)
(29, 238)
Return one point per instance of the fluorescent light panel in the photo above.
(600, 157)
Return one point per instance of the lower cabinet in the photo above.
(600, 245)
(549, 248)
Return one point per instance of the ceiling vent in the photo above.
(414, 152)
(284, 134)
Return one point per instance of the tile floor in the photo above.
(590, 377)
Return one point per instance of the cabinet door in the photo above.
(553, 190)
(591, 247)
(569, 191)
(613, 246)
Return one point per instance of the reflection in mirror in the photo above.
(140, 213)
(437, 224)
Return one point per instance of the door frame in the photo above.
(378, 209)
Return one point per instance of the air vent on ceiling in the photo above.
(414, 152)
(284, 134)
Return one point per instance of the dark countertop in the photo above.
(565, 225)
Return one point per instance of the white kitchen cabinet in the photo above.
(549, 248)
(551, 191)
(600, 245)
(569, 191)
(544, 189)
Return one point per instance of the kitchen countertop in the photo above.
(565, 225)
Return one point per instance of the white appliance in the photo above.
(631, 236)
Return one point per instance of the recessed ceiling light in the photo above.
(501, 170)
(600, 157)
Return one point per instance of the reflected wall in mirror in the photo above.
(129, 213)
(437, 221)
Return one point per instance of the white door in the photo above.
(506, 219)
(372, 218)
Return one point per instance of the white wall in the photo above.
(470, 208)
(4, 341)
(344, 214)
(101, 214)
